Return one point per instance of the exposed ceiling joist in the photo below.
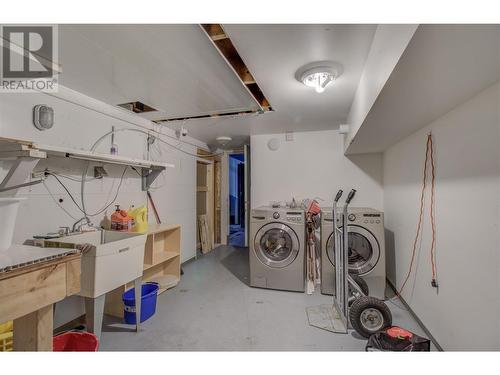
(227, 49)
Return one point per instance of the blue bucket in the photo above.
(149, 294)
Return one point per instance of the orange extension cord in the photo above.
(429, 153)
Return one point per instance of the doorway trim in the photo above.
(225, 213)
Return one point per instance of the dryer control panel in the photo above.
(365, 218)
(294, 217)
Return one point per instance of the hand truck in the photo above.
(367, 315)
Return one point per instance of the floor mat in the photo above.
(325, 317)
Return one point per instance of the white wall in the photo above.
(388, 45)
(465, 313)
(79, 127)
(312, 165)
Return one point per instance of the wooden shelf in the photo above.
(156, 228)
(162, 256)
(202, 188)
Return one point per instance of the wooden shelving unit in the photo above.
(162, 257)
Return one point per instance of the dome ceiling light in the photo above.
(223, 140)
(319, 75)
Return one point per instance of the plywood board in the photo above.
(205, 239)
(33, 332)
(25, 293)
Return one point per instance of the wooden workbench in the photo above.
(27, 295)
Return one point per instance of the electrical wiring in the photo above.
(57, 202)
(104, 136)
(428, 155)
(76, 179)
(66, 189)
(114, 131)
(144, 130)
(116, 194)
(70, 177)
(107, 205)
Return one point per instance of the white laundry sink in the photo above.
(112, 260)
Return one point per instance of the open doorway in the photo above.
(237, 212)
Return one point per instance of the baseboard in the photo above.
(420, 323)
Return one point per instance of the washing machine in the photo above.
(366, 249)
(277, 248)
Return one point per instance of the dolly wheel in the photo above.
(353, 293)
(369, 315)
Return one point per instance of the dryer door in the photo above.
(276, 245)
(364, 250)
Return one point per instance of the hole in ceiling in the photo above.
(137, 107)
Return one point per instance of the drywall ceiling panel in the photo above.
(173, 68)
(442, 67)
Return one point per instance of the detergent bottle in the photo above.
(105, 222)
(121, 220)
(140, 216)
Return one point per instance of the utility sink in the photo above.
(112, 259)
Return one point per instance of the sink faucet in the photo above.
(78, 225)
(64, 231)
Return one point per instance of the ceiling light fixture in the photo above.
(319, 75)
(223, 140)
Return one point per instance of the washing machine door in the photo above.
(364, 250)
(276, 245)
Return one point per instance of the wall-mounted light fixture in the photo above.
(319, 75)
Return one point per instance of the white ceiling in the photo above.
(273, 53)
(176, 69)
(173, 68)
(442, 66)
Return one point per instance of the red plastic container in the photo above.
(75, 342)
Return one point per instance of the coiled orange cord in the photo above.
(429, 152)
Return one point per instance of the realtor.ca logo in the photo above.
(29, 59)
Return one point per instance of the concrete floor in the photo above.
(213, 308)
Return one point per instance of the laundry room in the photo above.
(286, 183)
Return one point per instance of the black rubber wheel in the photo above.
(362, 284)
(369, 315)
(353, 293)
